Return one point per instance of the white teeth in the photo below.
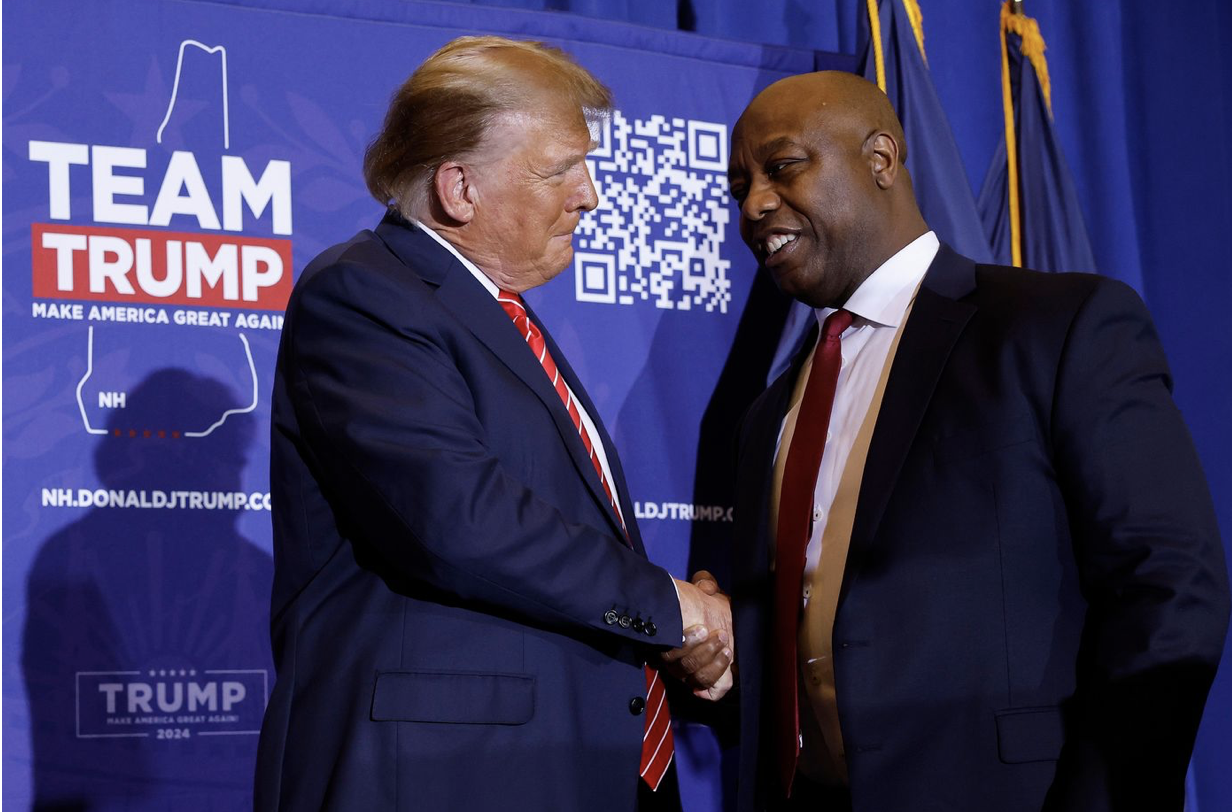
(778, 241)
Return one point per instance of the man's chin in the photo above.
(558, 264)
(796, 283)
(788, 279)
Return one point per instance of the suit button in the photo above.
(609, 617)
(650, 629)
(638, 624)
(625, 621)
(636, 705)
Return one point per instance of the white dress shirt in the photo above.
(879, 307)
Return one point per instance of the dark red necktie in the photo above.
(795, 515)
(657, 743)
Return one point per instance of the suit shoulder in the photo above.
(1026, 292)
(1028, 282)
(360, 269)
(364, 253)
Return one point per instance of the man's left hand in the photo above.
(704, 661)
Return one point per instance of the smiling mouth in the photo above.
(777, 247)
(776, 242)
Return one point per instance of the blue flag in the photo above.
(933, 160)
(1028, 204)
(894, 59)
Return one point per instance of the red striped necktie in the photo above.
(795, 510)
(658, 747)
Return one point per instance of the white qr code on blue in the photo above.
(662, 216)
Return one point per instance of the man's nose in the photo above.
(760, 201)
(586, 198)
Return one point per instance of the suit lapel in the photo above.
(467, 299)
(756, 472)
(578, 451)
(937, 319)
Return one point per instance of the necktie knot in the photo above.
(835, 324)
(512, 304)
(515, 308)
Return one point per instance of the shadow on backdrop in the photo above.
(147, 628)
(650, 406)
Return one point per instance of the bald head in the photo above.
(842, 102)
(817, 167)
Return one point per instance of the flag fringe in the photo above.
(1033, 47)
(916, 17)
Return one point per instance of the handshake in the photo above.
(704, 661)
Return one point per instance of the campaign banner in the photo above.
(169, 168)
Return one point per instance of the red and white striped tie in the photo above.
(658, 747)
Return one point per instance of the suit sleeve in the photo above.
(392, 426)
(1150, 561)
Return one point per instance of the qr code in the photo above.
(662, 216)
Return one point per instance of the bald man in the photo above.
(977, 563)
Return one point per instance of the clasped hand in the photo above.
(704, 662)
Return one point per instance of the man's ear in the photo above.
(884, 161)
(451, 182)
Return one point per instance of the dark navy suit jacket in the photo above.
(457, 621)
(1035, 598)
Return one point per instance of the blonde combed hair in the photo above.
(446, 109)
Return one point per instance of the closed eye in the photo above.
(775, 167)
(559, 171)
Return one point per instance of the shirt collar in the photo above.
(883, 298)
(487, 283)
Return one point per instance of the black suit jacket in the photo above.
(458, 623)
(1035, 597)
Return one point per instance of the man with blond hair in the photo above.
(464, 617)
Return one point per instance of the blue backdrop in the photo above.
(181, 160)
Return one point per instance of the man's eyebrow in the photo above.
(761, 151)
(564, 164)
(778, 143)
